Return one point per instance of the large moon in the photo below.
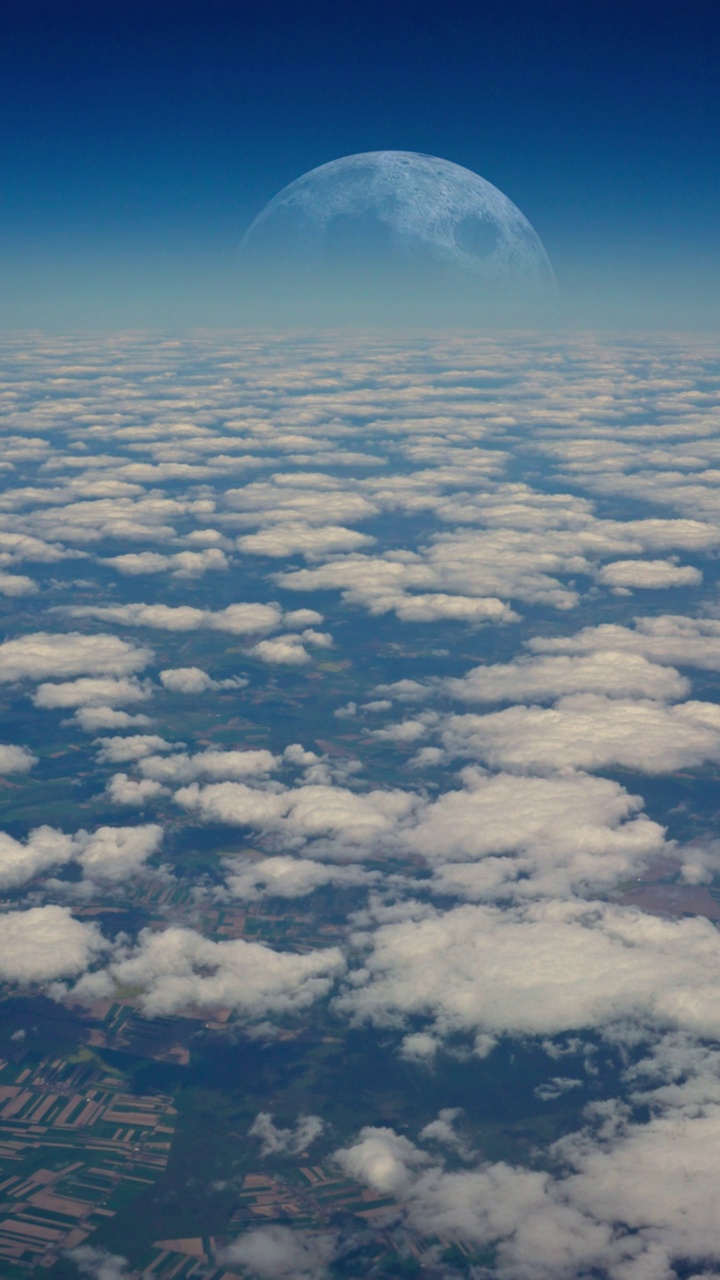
(386, 231)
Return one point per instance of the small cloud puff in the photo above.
(184, 564)
(16, 759)
(280, 1253)
(192, 680)
(46, 943)
(289, 650)
(275, 1141)
(105, 691)
(42, 654)
(652, 575)
(179, 969)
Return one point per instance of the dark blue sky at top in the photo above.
(139, 139)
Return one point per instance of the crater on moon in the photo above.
(386, 232)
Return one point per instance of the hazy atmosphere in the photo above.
(142, 139)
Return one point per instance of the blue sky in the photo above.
(140, 140)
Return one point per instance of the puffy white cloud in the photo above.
(80, 513)
(298, 619)
(538, 1233)
(42, 654)
(183, 564)
(442, 1131)
(209, 764)
(134, 747)
(296, 755)
(107, 853)
(178, 969)
(669, 638)
(17, 584)
(92, 692)
(428, 758)
(113, 853)
(285, 877)
(590, 731)
(45, 847)
(523, 563)
(122, 789)
(525, 835)
(629, 1200)
(17, 547)
(700, 861)
(432, 606)
(303, 812)
(384, 1159)
(616, 674)
(632, 420)
(567, 834)
(187, 680)
(290, 649)
(96, 719)
(318, 639)
(194, 680)
(347, 712)
(404, 690)
(299, 538)
(542, 969)
(274, 1140)
(161, 616)
(238, 619)
(45, 943)
(16, 759)
(390, 584)
(137, 562)
(99, 1264)
(298, 499)
(235, 803)
(285, 650)
(407, 732)
(280, 1253)
(659, 1176)
(651, 574)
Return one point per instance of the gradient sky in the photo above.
(140, 139)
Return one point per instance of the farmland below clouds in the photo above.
(411, 644)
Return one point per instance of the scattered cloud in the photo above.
(667, 638)
(206, 764)
(447, 488)
(122, 789)
(192, 680)
(590, 731)
(281, 1253)
(613, 673)
(134, 747)
(183, 564)
(16, 759)
(179, 969)
(46, 943)
(92, 692)
(652, 575)
(542, 969)
(42, 655)
(238, 619)
(275, 1141)
(286, 877)
(111, 854)
(98, 1264)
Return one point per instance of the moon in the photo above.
(399, 227)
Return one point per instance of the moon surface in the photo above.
(398, 225)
